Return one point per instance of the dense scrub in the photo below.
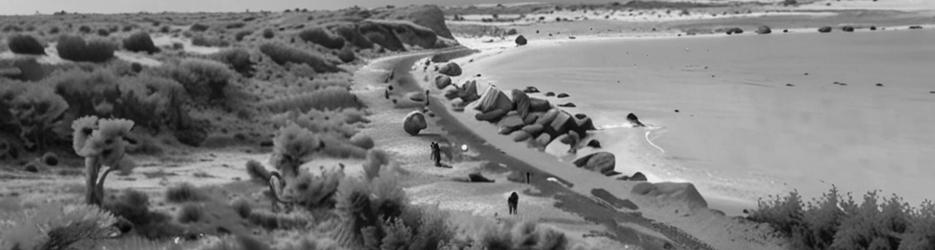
(282, 54)
(833, 221)
(140, 42)
(77, 49)
(25, 44)
(323, 37)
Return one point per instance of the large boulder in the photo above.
(562, 123)
(453, 92)
(520, 135)
(602, 162)
(494, 99)
(361, 140)
(583, 124)
(492, 116)
(540, 142)
(634, 120)
(520, 102)
(546, 118)
(510, 123)
(670, 195)
(468, 92)
(442, 81)
(414, 122)
(532, 117)
(533, 129)
(762, 30)
(520, 40)
(451, 69)
(539, 105)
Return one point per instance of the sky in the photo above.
(28, 7)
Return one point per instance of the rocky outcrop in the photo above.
(762, 30)
(539, 105)
(492, 116)
(670, 195)
(494, 99)
(414, 122)
(429, 16)
(442, 81)
(511, 122)
(520, 40)
(450, 69)
(634, 120)
(520, 102)
(468, 92)
(601, 162)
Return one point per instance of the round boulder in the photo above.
(442, 81)
(414, 122)
(762, 30)
(450, 69)
(362, 141)
(602, 162)
(520, 40)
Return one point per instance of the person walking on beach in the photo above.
(436, 154)
(426, 98)
(512, 202)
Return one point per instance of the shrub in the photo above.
(331, 122)
(329, 98)
(203, 79)
(140, 41)
(282, 54)
(236, 25)
(54, 30)
(190, 212)
(292, 147)
(76, 49)
(198, 27)
(337, 146)
(55, 226)
(268, 33)
(33, 112)
(184, 192)
(323, 37)
(312, 191)
(257, 172)
(238, 58)
(375, 160)
(84, 29)
(832, 222)
(241, 34)
(103, 32)
(25, 44)
(242, 207)
(209, 41)
(347, 55)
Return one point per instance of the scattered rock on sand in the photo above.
(452, 93)
(825, 29)
(848, 28)
(520, 40)
(362, 141)
(667, 194)
(568, 105)
(550, 94)
(510, 123)
(562, 95)
(762, 30)
(50, 159)
(915, 27)
(638, 176)
(879, 84)
(532, 117)
(414, 122)
(468, 92)
(872, 28)
(442, 81)
(636, 121)
(785, 31)
(539, 105)
(594, 144)
(734, 30)
(31, 167)
(546, 118)
(561, 124)
(451, 69)
(530, 90)
(520, 135)
(602, 162)
(417, 96)
(477, 177)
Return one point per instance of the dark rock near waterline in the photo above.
(562, 95)
(532, 117)
(825, 29)
(636, 121)
(530, 90)
(468, 92)
(414, 122)
(549, 94)
(539, 105)
(477, 177)
(520, 103)
(734, 30)
(602, 162)
(533, 129)
(561, 124)
(494, 99)
(873, 27)
(594, 144)
(442, 81)
(915, 27)
(520, 40)
(848, 28)
(762, 30)
(638, 176)
(520, 135)
(568, 105)
(546, 118)
(451, 69)
(492, 116)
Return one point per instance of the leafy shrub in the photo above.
(76, 49)
(337, 146)
(184, 192)
(84, 29)
(328, 98)
(33, 111)
(236, 25)
(241, 34)
(257, 172)
(140, 41)
(203, 79)
(238, 58)
(25, 44)
(832, 222)
(103, 32)
(54, 226)
(293, 146)
(282, 54)
(242, 207)
(323, 37)
(198, 27)
(268, 33)
(190, 213)
(209, 41)
(54, 30)
(312, 191)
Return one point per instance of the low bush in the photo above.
(241, 34)
(184, 192)
(268, 33)
(209, 41)
(257, 172)
(190, 213)
(834, 222)
(103, 32)
(198, 27)
(140, 42)
(375, 160)
(323, 37)
(326, 99)
(54, 226)
(238, 59)
(282, 54)
(236, 25)
(331, 122)
(75, 48)
(31, 111)
(204, 80)
(25, 44)
(242, 207)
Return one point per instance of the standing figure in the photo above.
(512, 202)
(426, 98)
(528, 177)
(437, 154)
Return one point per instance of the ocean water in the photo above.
(743, 117)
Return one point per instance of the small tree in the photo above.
(292, 147)
(102, 142)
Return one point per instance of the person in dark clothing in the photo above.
(528, 177)
(436, 154)
(426, 98)
(512, 202)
